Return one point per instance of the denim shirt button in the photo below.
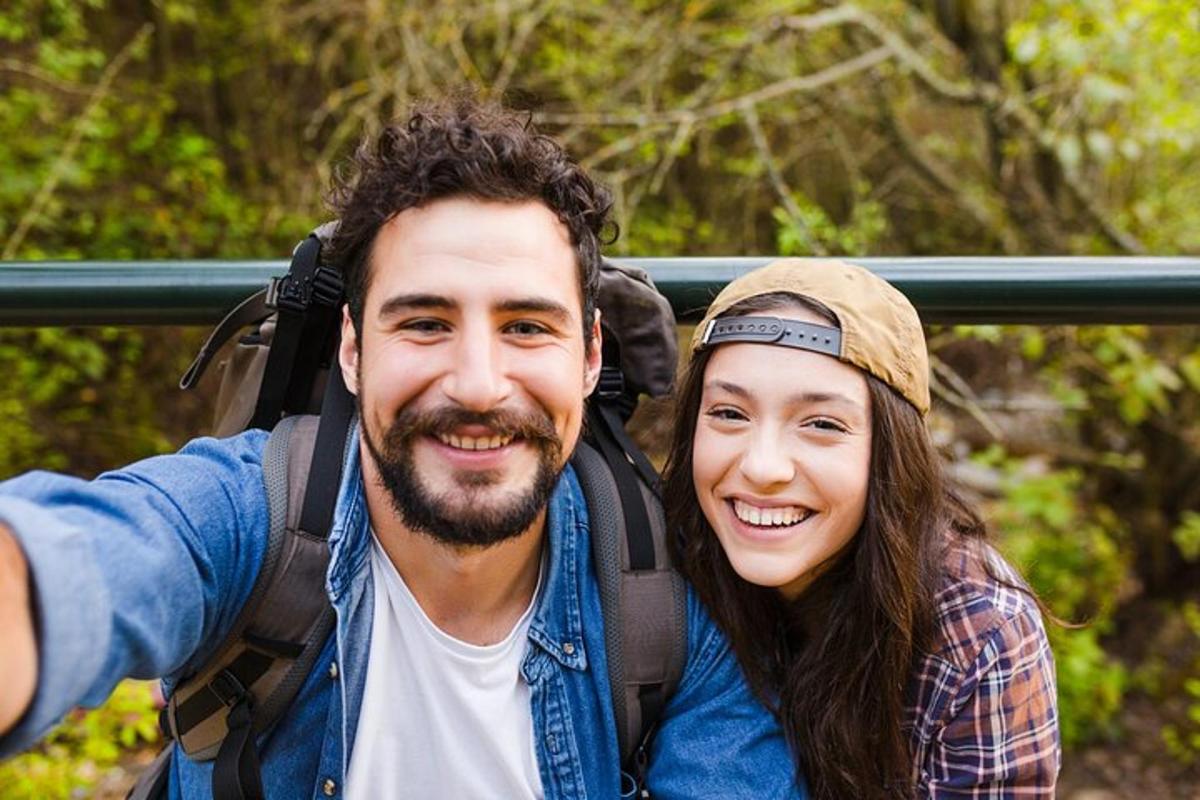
(552, 742)
(329, 787)
(333, 671)
(568, 648)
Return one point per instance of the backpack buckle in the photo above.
(611, 384)
(327, 286)
(290, 293)
(228, 689)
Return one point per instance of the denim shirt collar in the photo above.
(349, 537)
(557, 624)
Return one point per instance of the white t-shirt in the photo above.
(440, 717)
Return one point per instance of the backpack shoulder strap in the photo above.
(153, 780)
(264, 660)
(643, 598)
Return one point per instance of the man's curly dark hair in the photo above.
(463, 146)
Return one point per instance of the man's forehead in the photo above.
(470, 225)
(466, 250)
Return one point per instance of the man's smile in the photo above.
(458, 442)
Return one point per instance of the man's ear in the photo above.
(348, 352)
(594, 358)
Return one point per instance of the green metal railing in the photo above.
(945, 290)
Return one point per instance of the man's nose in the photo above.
(766, 461)
(477, 379)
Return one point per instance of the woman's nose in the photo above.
(767, 462)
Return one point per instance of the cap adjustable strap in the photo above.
(773, 330)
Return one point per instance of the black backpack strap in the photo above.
(250, 311)
(643, 598)
(236, 773)
(325, 475)
(307, 301)
(152, 782)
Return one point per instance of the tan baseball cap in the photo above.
(880, 331)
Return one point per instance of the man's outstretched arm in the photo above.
(18, 645)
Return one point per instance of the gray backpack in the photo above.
(282, 377)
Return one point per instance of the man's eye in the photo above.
(425, 326)
(526, 328)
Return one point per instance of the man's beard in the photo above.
(460, 515)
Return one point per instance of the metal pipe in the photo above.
(945, 290)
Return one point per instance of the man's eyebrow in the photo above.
(400, 303)
(536, 305)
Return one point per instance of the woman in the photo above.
(903, 656)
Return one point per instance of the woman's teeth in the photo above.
(776, 516)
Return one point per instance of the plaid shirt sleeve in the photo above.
(986, 718)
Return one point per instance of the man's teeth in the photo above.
(779, 515)
(474, 442)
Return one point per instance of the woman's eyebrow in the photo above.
(800, 398)
(726, 386)
(796, 399)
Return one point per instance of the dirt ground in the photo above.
(1136, 768)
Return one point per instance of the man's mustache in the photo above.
(531, 426)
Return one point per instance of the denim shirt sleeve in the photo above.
(715, 738)
(134, 572)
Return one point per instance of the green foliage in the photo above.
(1187, 536)
(1120, 72)
(81, 750)
(94, 171)
(71, 388)
(812, 231)
(1182, 736)
(1070, 554)
(1135, 380)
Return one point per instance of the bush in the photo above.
(1069, 553)
(84, 748)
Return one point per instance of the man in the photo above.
(468, 655)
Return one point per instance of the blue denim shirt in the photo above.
(142, 571)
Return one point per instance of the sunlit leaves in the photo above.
(84, 748)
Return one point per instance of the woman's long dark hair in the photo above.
(834, 663)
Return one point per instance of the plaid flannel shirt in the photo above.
(982, 712)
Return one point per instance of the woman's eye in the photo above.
(823, 424)
(725, 414)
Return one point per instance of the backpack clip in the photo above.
(611, 384)
(228, 689)
(290, 293)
